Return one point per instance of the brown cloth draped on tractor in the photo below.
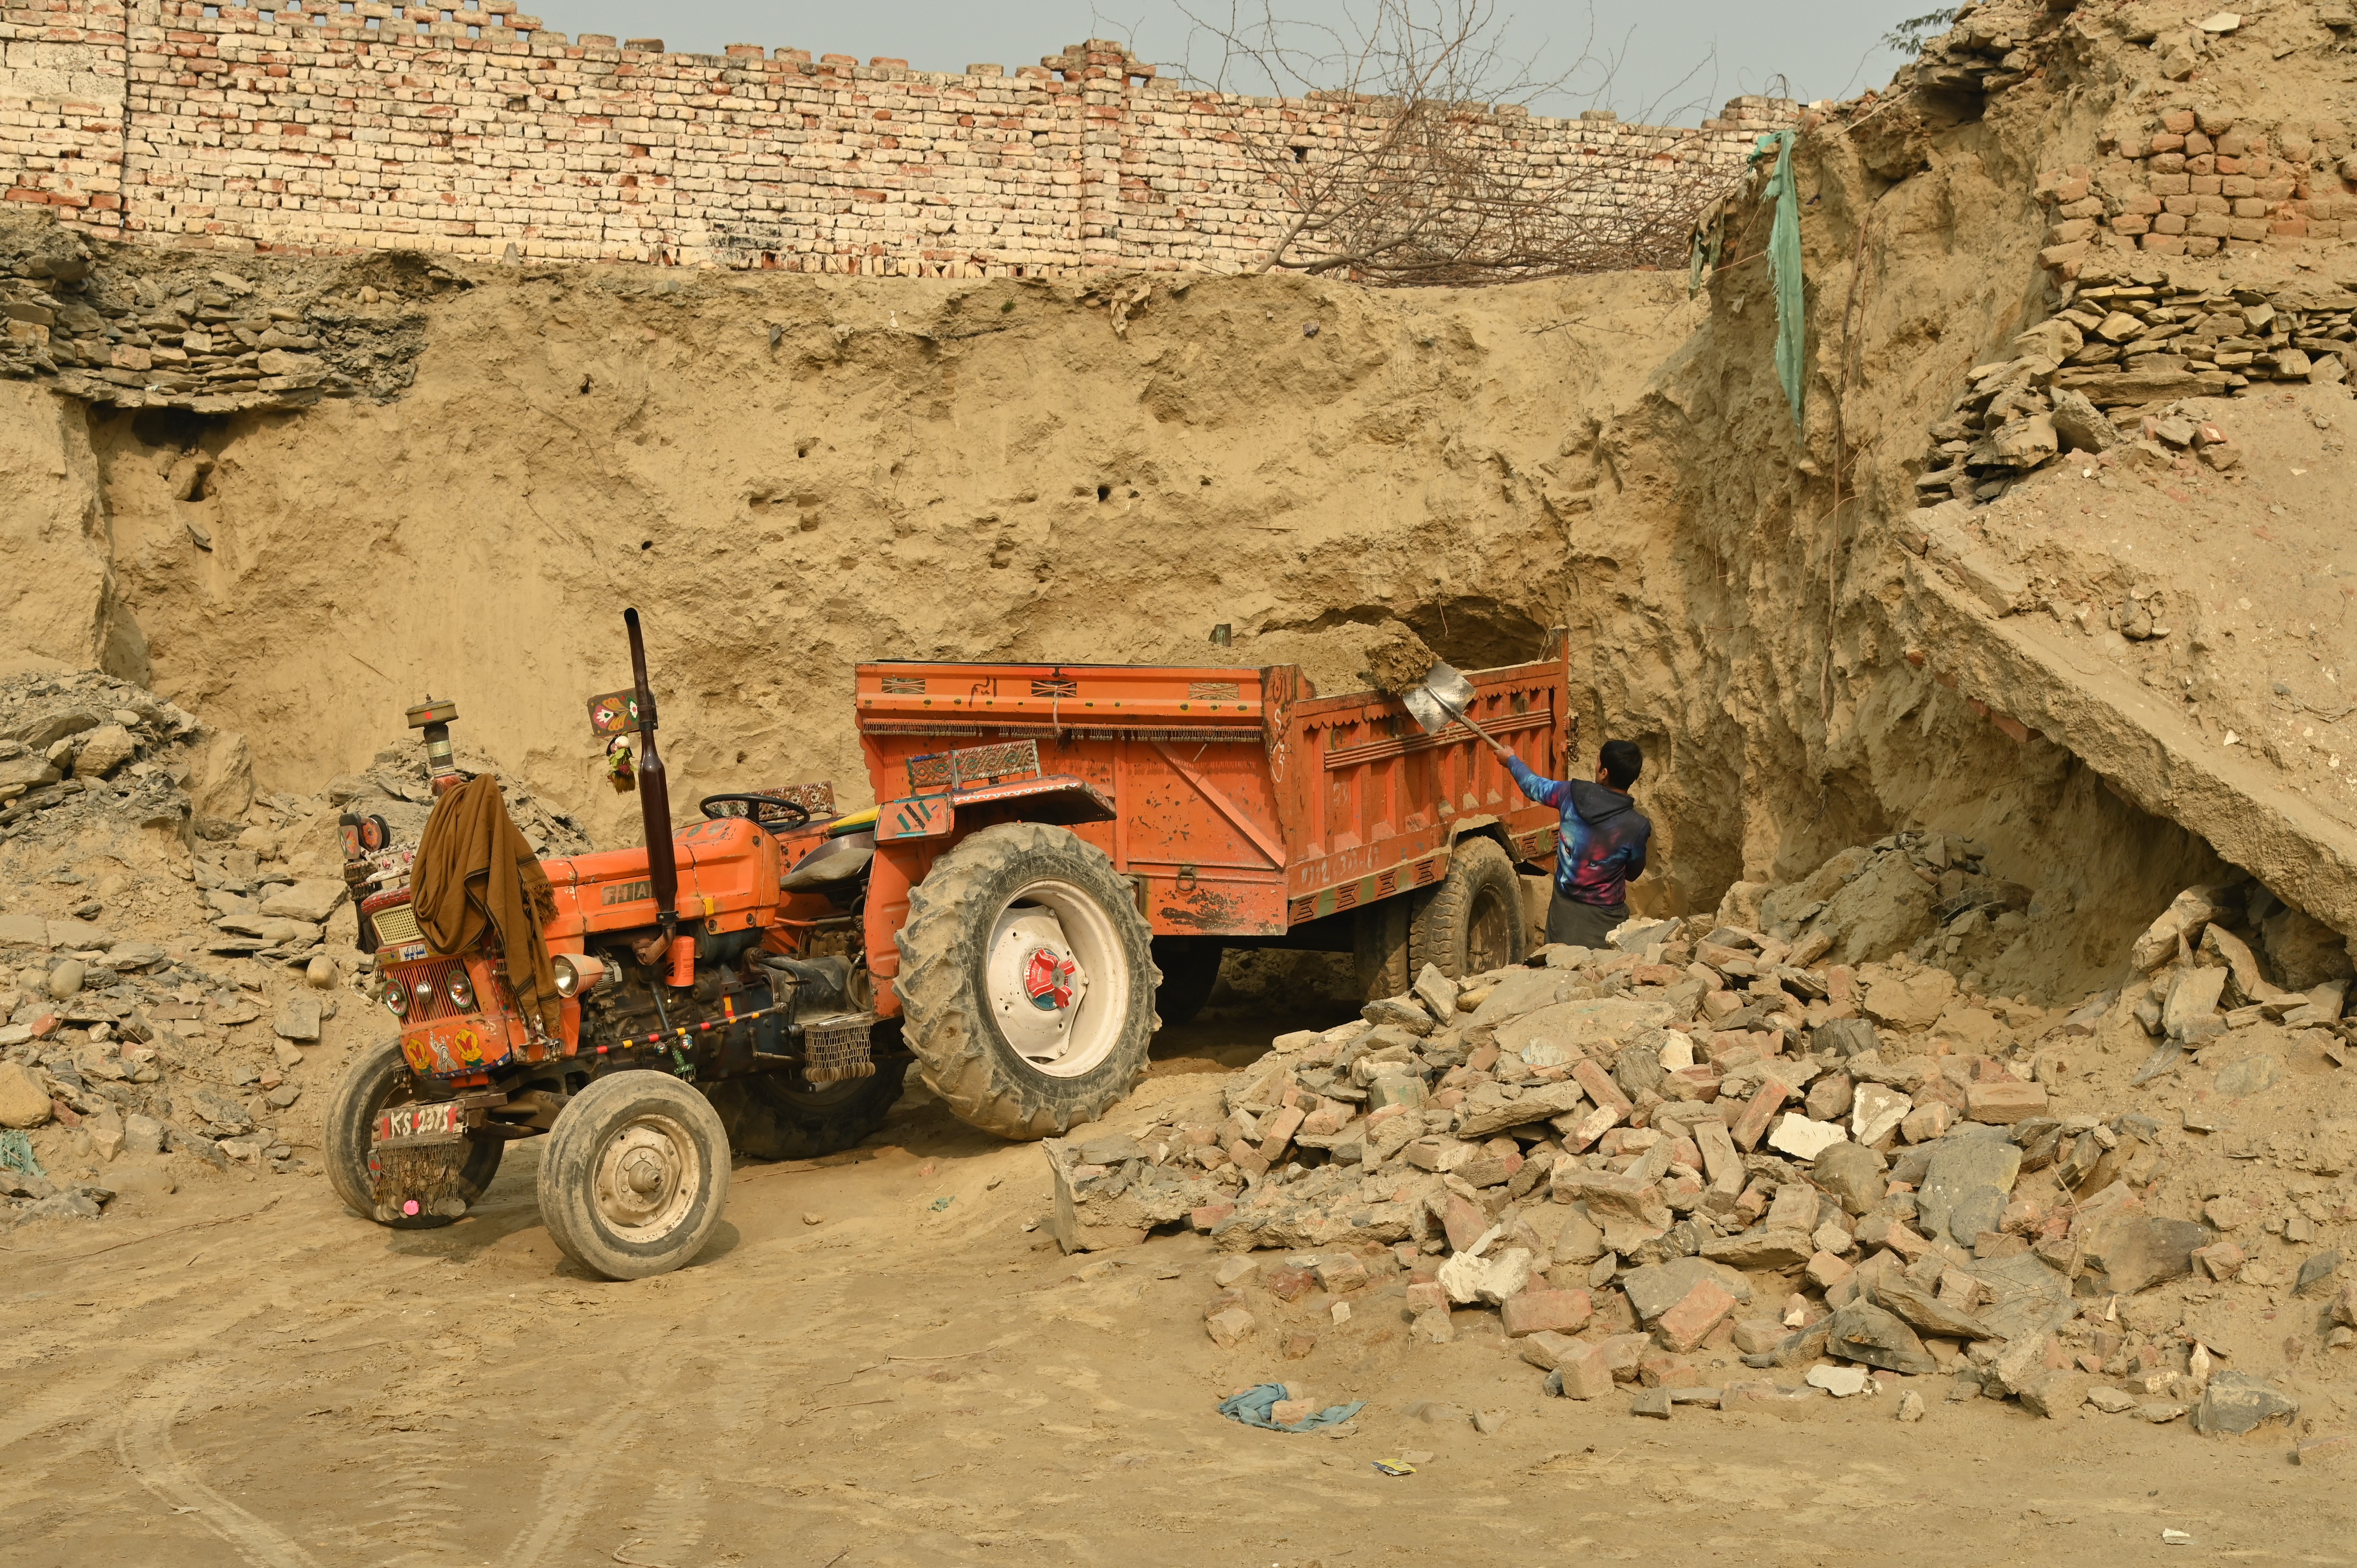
(474, 869)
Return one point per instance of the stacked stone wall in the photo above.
(473, 129)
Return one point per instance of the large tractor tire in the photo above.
(1472, 918)
(379, 1077)
(1028, 979)
(1379, 945)
(777, 1116)
(1190, 969)
(634, 1175)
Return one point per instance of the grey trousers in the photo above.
(1581, 925)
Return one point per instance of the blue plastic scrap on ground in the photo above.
(1252, 1407)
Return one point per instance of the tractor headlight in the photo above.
(396, 997)
(577, 974)
(460, 990)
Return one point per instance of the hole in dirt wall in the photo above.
(2086, 869)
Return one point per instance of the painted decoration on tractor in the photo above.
(614, 712)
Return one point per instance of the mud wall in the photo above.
(473, 129)
(789, 475)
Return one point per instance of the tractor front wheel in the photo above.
(634, 1175)
(1027, 980)
(378, 1078)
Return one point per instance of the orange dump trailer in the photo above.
(1243, 807)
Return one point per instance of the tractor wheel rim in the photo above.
(1056, 978)
(647, 1176)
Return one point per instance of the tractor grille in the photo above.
(429, 997)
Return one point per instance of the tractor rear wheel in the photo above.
(1472, 920)
(1027, 980)
(634, 1175)
(1190, 969)
(379, 1077)
(777, 1116)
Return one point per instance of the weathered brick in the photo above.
(312, 130)
(2003, 1103)
(1689, 1323)
(1549, 1311)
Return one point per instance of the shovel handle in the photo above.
(1461, 717)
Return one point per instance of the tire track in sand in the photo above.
(413, 1462)
(145, 1442)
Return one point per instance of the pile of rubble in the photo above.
(82, 746)
(1988, 49)
(169, 977)
(2134, 338)
(131, 329)
(1708, 1164)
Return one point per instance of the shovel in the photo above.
(1442, 698)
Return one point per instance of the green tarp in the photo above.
(1784, 264)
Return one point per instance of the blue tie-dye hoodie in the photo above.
(1602, 847)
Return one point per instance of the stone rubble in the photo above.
(1721, 1164)
(2143, 337)
(168, 977)
(122, 327)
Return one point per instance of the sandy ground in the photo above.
(260, 1377)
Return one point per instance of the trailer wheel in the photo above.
(634, 1175)
(1027, 980)
(777, 1116)
(1472, 920)
(1190, 969)
(1379, 945)
(377, 1078)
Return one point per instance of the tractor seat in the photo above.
(834, 860)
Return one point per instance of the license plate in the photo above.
(441, 1122)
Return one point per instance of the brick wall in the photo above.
(327, 126)
(2199, 182)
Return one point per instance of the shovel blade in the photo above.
(1453, 689)
(1429, 716)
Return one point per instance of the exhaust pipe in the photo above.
(654, 797)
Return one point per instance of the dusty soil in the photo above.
(915, 1381)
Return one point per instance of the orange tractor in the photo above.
(1059, 856)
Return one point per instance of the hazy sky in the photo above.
(1680, 59)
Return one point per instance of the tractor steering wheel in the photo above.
(754, 808)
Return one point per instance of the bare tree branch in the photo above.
(1397, 144)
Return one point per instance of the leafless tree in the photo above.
(1401, 154)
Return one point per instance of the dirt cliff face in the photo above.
(789, 476)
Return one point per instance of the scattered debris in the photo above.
(1591, 1160)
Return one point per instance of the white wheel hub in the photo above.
(647, 1178)
(1056, 979)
